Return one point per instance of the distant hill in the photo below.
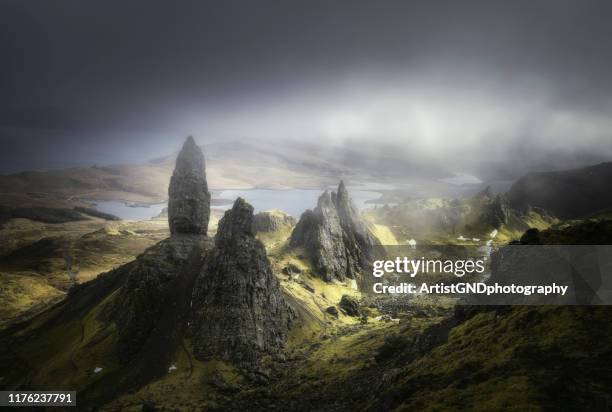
(230, 165)
(568, 193)
(476, 219)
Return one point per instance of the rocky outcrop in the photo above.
(154, 300)
(272, 221)
(335, 237)
(189, 199)
(153, 303)
(357, 238)
(320, 233)
(239, 311)
(350, 305)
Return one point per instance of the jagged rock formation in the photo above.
(320, 233)
(189, 199)
(358, 240)
(335, 237)
(238, 308)
(272, 220)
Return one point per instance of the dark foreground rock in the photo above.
(335, 237)
(189, 199)
(150, 291)
(239, 311)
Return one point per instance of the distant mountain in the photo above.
(568, 193)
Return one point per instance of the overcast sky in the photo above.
(113, 81)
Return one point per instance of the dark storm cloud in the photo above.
(337, 69)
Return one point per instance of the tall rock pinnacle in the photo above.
(239, 311)
(334, 236)
(153, 303)
(189, 199)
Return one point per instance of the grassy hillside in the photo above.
(36, 256)
(472, 220)
(429, 355)
(568, 194)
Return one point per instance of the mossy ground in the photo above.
(514, 359)
(321, 350)
(33, 266)
(65, 356)
(427, 222)
(519, 358)
(511, 360)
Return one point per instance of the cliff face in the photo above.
(239, 311)
(334, 236)
(189, 199)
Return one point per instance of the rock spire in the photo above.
(239, 311)
(335, 237)
(189, 199)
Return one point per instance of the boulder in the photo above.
(332, 311)
(350, 306)
(291, 270)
